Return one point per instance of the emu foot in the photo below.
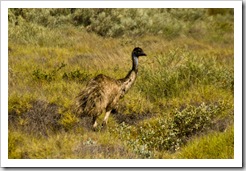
(95, 129)
(104, 126)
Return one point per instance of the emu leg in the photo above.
(105, 120)
(94, 122)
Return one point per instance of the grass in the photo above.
(212, 146)
(181, 106)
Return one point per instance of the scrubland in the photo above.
(181, 105)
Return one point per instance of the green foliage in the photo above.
(169, 23)
(124, 132)
(179, 70)
(226, 79)
(15, 140)
(213, 146)
(171, 133)
(220, 11)
(68, 120)
(41, 75)
(19, 103)
(76, 75)
(41, 16)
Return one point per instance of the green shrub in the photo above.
(47, 76)
(225, 79)
(68, 120)
(171, 133)
(169, 23)
(47, 17)
(76, 75)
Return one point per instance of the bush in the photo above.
(169, 134)
(76, 75)
(68, 120)
(40, 120)
(169, 23)
(172, 133)
(47, 76)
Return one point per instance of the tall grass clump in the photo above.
(179, 70)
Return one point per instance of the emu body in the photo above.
(102, 93)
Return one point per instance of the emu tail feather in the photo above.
(89, 102)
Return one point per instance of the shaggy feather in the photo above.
(100, 94)
(103, 93)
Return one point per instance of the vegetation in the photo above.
(181, 106)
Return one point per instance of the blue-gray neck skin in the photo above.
(134, 62)
(130, 78)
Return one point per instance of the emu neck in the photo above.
(134, 62)
(130, 78)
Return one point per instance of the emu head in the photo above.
(138, 52)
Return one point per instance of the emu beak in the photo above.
(142, 54)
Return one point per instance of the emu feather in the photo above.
(102, 93)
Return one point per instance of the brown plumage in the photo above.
(102, 93)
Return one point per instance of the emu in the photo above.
(102, 93)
